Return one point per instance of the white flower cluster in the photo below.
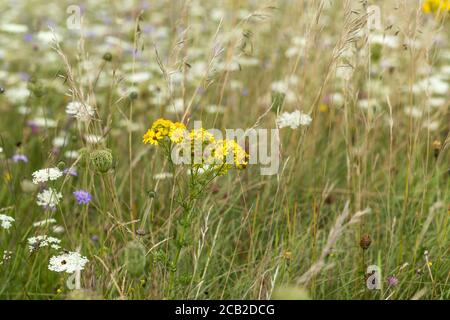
(6, 256)
(6, 221)
(35, 243)
(68, 262)
(293, 120)
(44, 175)
(79, 110)
(49, 198)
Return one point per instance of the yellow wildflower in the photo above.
(177, 135)
(436, 6)
(162, 126)
(323, 108)
(177, 131)
(7, 176)
(201, 135)
(152, 137)
(230, 148)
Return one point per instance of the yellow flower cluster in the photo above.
(230, 148)
(162, 128)
(226, 154)
(436, 6)
(201, 135)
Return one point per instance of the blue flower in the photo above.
(20, 157)
(82, 196)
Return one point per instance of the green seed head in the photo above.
(107, 56)
(61, 165)
(102, 160)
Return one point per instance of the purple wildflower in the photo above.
(24, 76)
(392, 281)
(71, 171)
(28, 37)
(34, 127)
(82, 196)
(19, 157)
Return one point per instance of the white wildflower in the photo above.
(49, 198)
(6, 221)
(48, 37)
(215, 109)
(93, 139)
(58, 229)
(437, 102)
(6, 256)
(414, 112)
(35, 243)
(23, 110)
(280, 86)
(71, 154)
(17, 95)
(48, 174)
(384, 40)
(139, 77)
(13, 28)
(59, 142)
(162, 176)
(69, 262)
(79, 110)
(431, 125)
(176, 107)
(368, 104)
(43, 223)
(43, 122)
(293, 120)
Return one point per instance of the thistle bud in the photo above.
(36, 87)
(102, 160)
(365, 242)
(61, 165)
(107, 56)
(133, 95)
(141, 232)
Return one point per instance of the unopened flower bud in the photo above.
(365, 242)
(61, 165)
(133, 95)
(107, 56)
(102, 160)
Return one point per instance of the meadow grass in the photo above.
(373, 163)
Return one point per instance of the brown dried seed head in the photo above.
(365, 242)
